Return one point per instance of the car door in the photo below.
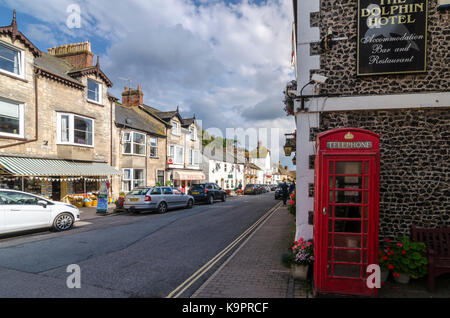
(219, 191)
(179, 197)
(23, 212)
(2, 215)
(169, 197)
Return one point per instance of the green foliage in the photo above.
(158, 184)
(168, 183)
(409, 257)
(287, 259)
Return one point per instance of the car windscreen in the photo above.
(197, 186)
(139, 191)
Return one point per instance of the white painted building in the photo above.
(224, 169)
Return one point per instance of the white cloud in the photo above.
(223, 62)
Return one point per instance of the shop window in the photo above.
(11, 60)
(75, 130)
(94, 91)
(132, 178)
(134, 143)
(11, 119)
(153, 147)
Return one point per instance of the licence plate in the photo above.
(195, 192)
(134, 200)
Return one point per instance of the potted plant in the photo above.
(384, 259)
(292, 204)
(408, 260)
(301, 257)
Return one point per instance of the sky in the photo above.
(226, 61)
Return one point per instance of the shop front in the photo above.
(183, 179)
(57, 180)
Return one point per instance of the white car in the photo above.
(21, 211)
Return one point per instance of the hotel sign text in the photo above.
(392, 36)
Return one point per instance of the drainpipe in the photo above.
(37, 73)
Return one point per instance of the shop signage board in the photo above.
(392, 36)
(102, 201)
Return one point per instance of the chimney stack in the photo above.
(79, 55)
(132, 97)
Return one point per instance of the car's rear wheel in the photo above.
(190, 204)
(63, 222)
(210, 199)
(162, 207)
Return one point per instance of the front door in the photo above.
(347, 222)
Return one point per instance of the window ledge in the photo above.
(94, 102)
(74, 145)
(13, 76)
(133, 154)
(18, 138)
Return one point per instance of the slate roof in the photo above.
(134, 118)
(56, 66)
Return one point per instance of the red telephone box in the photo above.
(346, 208)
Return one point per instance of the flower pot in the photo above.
(384, 276)
(402, 278)
(299, 272)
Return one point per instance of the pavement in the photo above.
(255, 270)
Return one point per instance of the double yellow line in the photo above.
(177, 292)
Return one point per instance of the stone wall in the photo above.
(415, 164)
(339, 63)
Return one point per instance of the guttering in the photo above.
(37, 73)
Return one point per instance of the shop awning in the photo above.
(19, 166)
(189, 175)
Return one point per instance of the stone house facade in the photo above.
(183, 148)
(54, 106)
(224, 169)
(139, 143)
(410, 112)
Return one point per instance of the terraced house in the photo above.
(183, 148)
(139, 141)
(55, 115)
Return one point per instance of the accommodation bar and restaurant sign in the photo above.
(392, 36)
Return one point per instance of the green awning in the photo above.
(20, 166)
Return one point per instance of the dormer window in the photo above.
(175, 128)
(11, 60)
(94, 91)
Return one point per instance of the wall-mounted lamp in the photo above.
(317, 79)
(327, 42)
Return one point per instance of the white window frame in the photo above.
(132, 179)
(174, 156)
(71, 130)
(153, 147)
(21, 133)
(21, 57)
(175, 132)
(193, 157)
(193, 133)
(100, 92)
(132, 144)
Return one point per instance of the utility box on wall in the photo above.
(346, 210)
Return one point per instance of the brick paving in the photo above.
(255, 270)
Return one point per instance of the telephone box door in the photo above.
(346, 230)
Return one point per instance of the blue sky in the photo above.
(226, 61)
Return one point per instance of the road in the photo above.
(128, 255)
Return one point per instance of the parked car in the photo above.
(21, 211)
(207, 192)
(273, 187)
(160, 199)
(267, 188)
(252, 189)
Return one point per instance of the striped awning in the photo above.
(19, 166)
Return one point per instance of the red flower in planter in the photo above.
(390, 267)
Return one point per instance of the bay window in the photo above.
(134, 143)
(132, 178)
(75, 130)
(94, 91)
(11, 119)
(11, 60)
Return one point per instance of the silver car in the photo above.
(159, 199)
